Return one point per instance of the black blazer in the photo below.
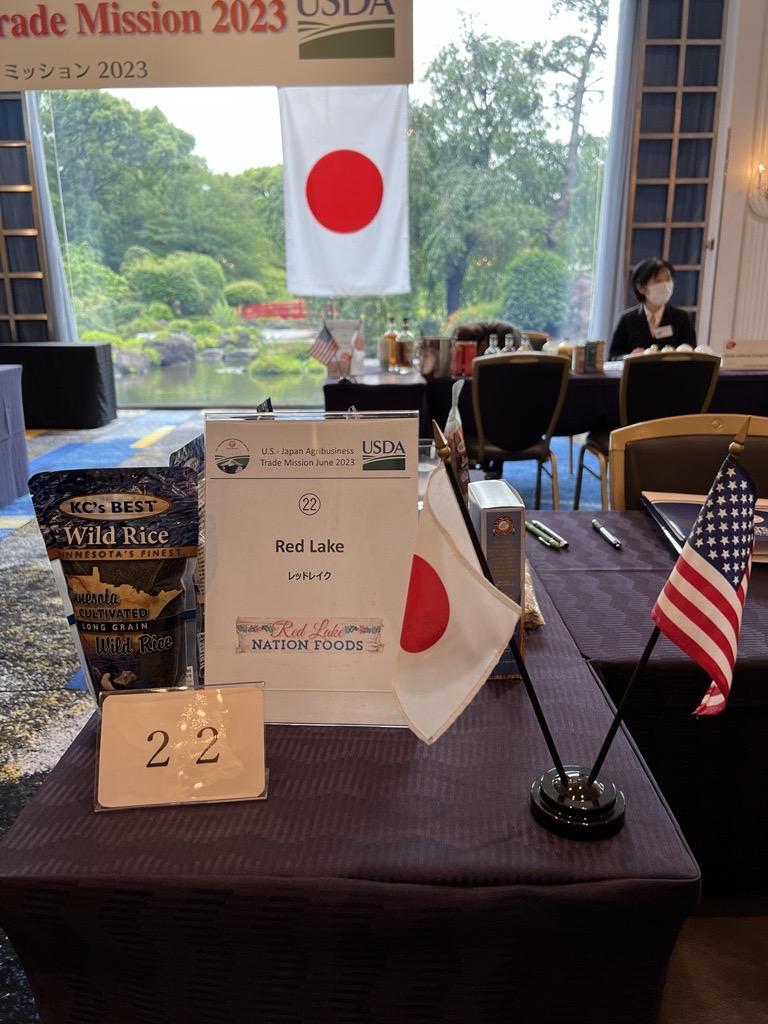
(632, 331)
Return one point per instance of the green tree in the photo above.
(575, 60)
(119, 176)
(244, 293)
(536, 291)
(189, 283)
(483, 172)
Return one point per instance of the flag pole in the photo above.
(444, 451)
(562, 799)
(622, 704)
(735, 448)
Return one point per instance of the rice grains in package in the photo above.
(125, 540)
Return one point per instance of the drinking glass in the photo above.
(427, 461)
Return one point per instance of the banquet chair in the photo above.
(682, 454)
(517, 399)
(653, 386)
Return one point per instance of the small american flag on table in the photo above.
(324, 347)
(700, 605)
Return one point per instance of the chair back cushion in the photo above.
(686, 465)
(655, 386)
(518, 398)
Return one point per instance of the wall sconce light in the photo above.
(758, 191)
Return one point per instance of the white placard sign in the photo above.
(745, 355)
(311, 526)
(161, 747)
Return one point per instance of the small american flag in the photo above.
(324, 347)
(700, 606)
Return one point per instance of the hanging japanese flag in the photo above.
(345, 182)
(456, 624)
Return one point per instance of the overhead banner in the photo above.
(99, 45)
(310, 529)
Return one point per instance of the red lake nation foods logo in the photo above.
(340, 29)
(232, 456)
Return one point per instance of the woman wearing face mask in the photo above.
(653, 321)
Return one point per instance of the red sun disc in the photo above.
(427, 609)
(344, 190)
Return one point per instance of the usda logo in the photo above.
(338, 29)
(384, 455)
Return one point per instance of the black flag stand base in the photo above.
(580, 810)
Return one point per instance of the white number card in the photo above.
(181, 746)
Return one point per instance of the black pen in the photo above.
(550, 532)
(605, 534)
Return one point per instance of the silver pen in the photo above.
(605, 534)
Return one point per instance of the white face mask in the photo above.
(660, 292)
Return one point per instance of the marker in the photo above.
(545, 538)
(550, 533)
(605, 534)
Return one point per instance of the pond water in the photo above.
(211, 384)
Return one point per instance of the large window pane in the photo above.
(5, 331)
(171, 219)
(658, 112)
(705, 19)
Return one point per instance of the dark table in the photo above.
(712, 770)
(14, 470)
(379, 392)
(592, 399)
(65, 385)
(382, 881)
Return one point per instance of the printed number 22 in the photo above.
(201, 758)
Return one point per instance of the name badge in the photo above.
(159, 747)
(663, 332)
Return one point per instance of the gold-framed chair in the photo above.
(682, 454)
(517, 398)
(653, 386)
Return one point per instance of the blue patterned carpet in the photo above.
(42, 700)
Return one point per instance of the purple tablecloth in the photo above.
(14, 470)
(592, 399)
(711, 770)
(382, 881)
